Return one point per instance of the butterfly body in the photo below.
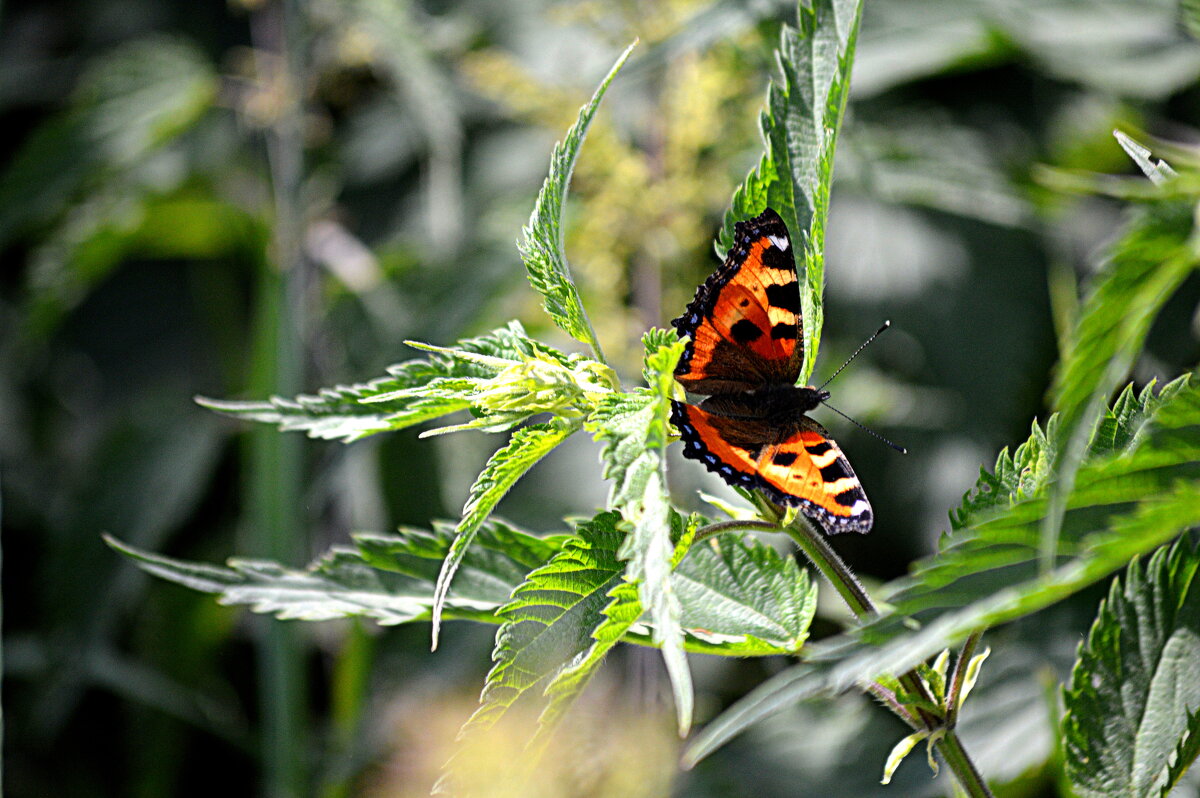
(744, 355)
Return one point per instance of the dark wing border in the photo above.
(694, 448)
(745, 233)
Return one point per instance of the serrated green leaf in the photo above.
(654, 339)
(388, 578)
(541, 242)
(987, 573)
(995, 553)
(634, 429)
(499, 560)
(1026, 472)
(740, 596)
(527, 446)
(799, 128)
(619, 615)
(471, 375)
(551, 617)
(742, 591)
(1136, 683)
(1184, 754)
(341, 584)
(1150, 260)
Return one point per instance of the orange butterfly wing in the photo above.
(796, 466)
(747, 346)
(744, 321)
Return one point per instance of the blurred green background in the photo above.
(166, 162)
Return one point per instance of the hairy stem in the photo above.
(748, 525)
(814, 545)
(832, 567)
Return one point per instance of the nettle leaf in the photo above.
(1135, 689)
(1184, 754)
(652, 340)
(506, 466)
(1027, 471)
(1123, 505)
(799, 127)
(503, 377)
(541, 243)
(742, 591)
(1022, 473)
(994, 558)
(618, 617)
(500, 559)
(1145, 267)
(1120, 424)
(742, 599)
(552, 617)
(634, 429)
(388, 578)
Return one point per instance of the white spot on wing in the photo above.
(779, 241)
(859, 507)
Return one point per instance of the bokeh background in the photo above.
(165, 161)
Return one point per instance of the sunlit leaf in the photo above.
(551, 618)
(800, 126)
(388, 578)
(527, 446)
(1184, 755)
(1124, 504)
(740, 585)
(416, 391)
(1134, 689)
(541, 244)
(634, 429)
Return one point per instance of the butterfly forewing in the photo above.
(745, 319)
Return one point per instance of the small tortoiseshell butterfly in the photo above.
(745, 355)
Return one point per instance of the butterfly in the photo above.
(745, 353)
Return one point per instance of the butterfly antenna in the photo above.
(874, 335)
(866, 429)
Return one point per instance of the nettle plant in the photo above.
(1094, 489)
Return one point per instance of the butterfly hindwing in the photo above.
(797, 465)
(744, 322)
(809, 466)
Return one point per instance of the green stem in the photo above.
(276, 522)
(814, 545)
(832, 567)
(748, 525)
(956, 757)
